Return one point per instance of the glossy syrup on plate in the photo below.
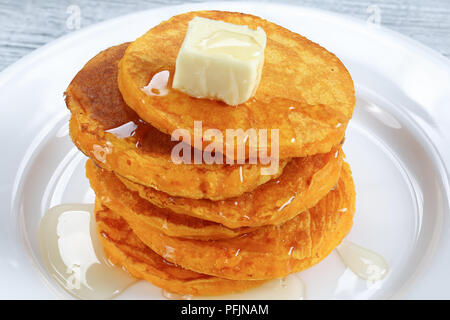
(74, 257)
(365, 263)
(73, 254)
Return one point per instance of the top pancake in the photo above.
(305, 91)
(107, 130)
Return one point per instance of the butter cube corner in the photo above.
(220, 61)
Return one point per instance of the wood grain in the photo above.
(28, 24)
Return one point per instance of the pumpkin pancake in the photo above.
(114, 195)
(305, 91)
(303, 183)
(123, 248)
(268, 252)
(103, 127)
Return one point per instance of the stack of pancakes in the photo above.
(209, 229)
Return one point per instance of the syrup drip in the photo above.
(73, 254)
(158, 84)
(286, 203)
(364, 263)
(124, 131)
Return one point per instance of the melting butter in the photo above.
(237, 45)
(364, 263)
(73, 254)
(220, 61)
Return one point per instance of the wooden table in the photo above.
(28, 24)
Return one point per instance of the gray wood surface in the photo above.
(28, 24)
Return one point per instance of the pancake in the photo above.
(123, 248)
(114, 195)
(268, 252)
(303, 183)
(103, 127)
(305, 91)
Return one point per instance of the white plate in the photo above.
(396, 145)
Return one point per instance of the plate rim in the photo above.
(56, 44)
(78, 33)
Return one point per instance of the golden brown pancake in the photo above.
(305, 91)
(303, 183)
(123, 248)
(104, 128)
(268, 252)
(114, 195)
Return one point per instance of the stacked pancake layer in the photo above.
(213, 229)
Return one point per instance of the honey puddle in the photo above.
(364, 263)
(74, 256)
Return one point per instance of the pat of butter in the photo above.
(220, 61)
